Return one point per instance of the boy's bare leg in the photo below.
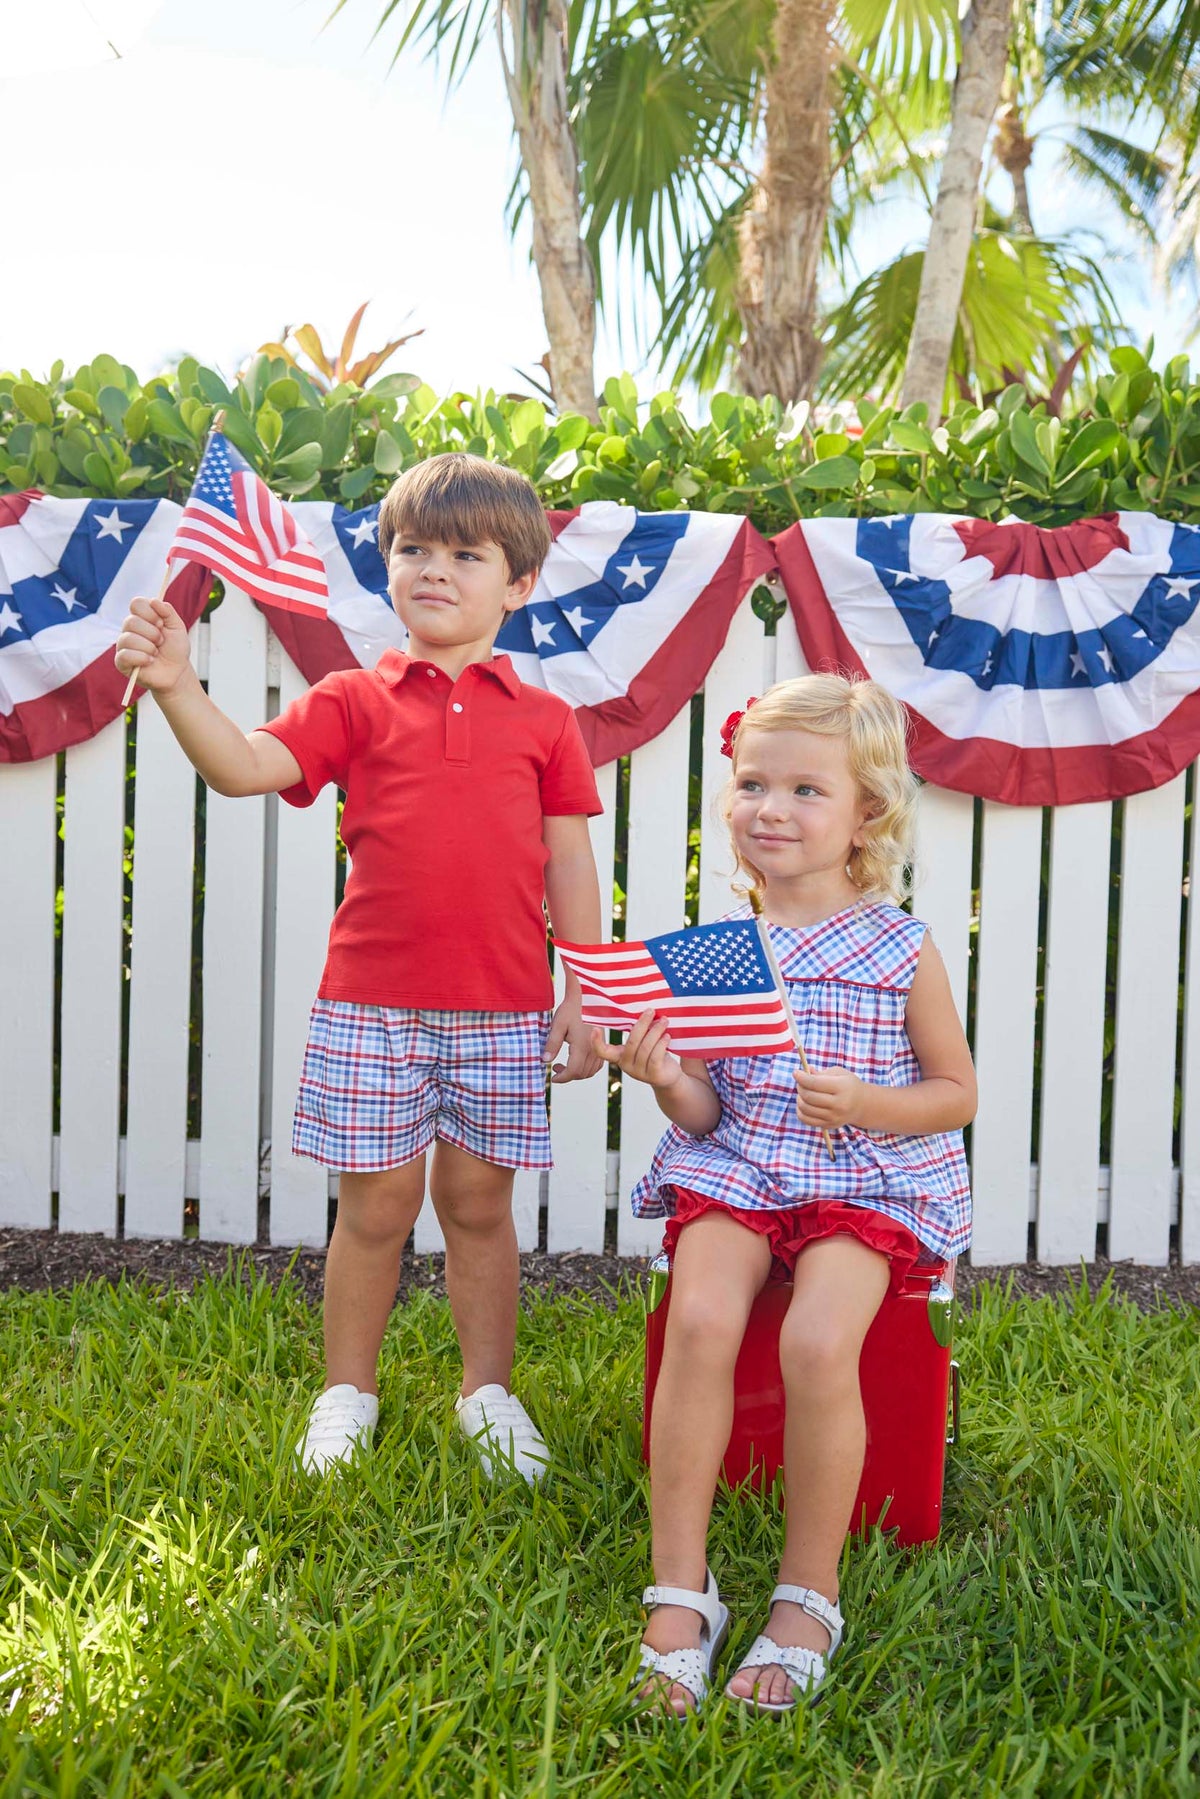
(473, 1201)
(840, 1284)
(375, 1216)
(719, 1267)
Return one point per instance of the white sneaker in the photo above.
(341, 1420)
(503, 1433)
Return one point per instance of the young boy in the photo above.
(467, 800)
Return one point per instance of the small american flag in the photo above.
(713, 985)
(234, 525)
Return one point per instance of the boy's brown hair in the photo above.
(461, 499)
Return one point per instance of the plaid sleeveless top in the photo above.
(848, 978)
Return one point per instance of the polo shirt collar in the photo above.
(393, 665)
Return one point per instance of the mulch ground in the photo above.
(39, 1260)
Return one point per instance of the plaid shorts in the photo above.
(379, 1083)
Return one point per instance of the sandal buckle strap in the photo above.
(817, 1606)
(706, 1604)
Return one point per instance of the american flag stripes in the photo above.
(712, 984)
(234, 525)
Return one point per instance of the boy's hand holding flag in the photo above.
(237, 528)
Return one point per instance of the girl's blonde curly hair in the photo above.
(876, 728)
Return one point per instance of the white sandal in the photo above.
(687, 1668)
(805, 1668)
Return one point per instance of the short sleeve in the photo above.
(568, 785)
(317, 729)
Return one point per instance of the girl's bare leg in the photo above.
(375, 1216)
(839, 1286)
(719, 1267)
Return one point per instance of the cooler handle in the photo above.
(952, 1435)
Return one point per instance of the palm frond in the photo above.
(455, 28)
(1023, 298)
(913, 39)
(1134, 179)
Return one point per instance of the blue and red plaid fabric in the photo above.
(379, 1083)
(848, 979)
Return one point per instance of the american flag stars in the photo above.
(704, 964)
(712, 985)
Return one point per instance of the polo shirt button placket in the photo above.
(458, 732)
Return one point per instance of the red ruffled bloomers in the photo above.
(791, 1229)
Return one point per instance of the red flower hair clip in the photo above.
(730, 726)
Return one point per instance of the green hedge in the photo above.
(1136, 445)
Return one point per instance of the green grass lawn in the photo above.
(184, 1615)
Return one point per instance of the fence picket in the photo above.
(305, 890)
(1073, 1033)
(1189, 1126)
(233, 948)
(1006, 992)
(1139, 1218)
(575, 1214)
(427, 1232)
(29, 832)
(725, 691)
(658, 791)
(789, 657)
(90, 1080)
(160, 980)
(942, 880)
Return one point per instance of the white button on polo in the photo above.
(432, 673)
(455, 707)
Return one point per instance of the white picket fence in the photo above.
(269, 885)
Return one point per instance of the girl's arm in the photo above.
(943, 1099)
(681, 1086)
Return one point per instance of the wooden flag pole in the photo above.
(777, 975)
(132, 682)
(218, 421)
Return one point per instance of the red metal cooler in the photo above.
(909, 1383)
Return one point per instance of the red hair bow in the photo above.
(730, 726)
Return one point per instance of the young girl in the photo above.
(820, 808)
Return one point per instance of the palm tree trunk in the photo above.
(1014, 153)
(977, 86)
(534, 57)
(783, 230)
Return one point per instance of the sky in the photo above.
(245, 165)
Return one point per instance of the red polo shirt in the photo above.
(447, 784)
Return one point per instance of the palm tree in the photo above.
(533, 37)
(977, 85)
(725, 145)
(1099, 61)
(782, 228)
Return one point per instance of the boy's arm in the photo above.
(573, 902)
(154, 644)
(682, 1085)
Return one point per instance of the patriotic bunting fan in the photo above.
(624, 624)
(1040, 667)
